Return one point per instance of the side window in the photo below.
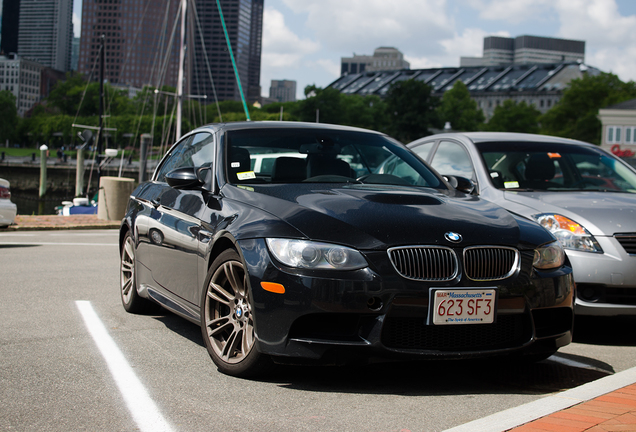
(195, 151)
(451, 159)
(424, 150)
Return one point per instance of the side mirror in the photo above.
(462, 184)
(184, 178)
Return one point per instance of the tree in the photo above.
(514, 117)
(9, 116)
(77, 97)
(322, 105)
(364, 111)
(575, 115)
(411, 110)
(460, 110)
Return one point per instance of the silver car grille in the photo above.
(425, 263)
(628, 241)
(439, 264)
(487, 263)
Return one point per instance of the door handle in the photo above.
(203, 234)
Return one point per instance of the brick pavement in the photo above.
(614, 411)
(55, 222)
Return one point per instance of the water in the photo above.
(29, 204)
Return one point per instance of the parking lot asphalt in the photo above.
(607, 404)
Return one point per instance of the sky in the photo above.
(304, 40)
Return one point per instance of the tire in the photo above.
(227, 323)
(130, 298)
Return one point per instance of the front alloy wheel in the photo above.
(227, 323)
(130, 298)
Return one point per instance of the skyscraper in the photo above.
(244, 21)
(136, 35)
(10, 23)
(45, 32)
(142, 44)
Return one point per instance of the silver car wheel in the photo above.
(228, 318)
(127, 270)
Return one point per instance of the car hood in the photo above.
(599, 212)
(379, 217)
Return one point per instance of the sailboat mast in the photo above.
(184, 5)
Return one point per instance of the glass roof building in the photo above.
(538, 84)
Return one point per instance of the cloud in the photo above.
(281, 47)
(283, 52)
(329, 66)
(364, 25)
(609, 37)
(511, 11)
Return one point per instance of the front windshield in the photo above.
(555, 167)
(289, 155)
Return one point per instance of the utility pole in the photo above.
(100, 133)
(184, 7)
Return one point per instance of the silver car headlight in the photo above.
(569, 233)
(315, 255)
(549, 256)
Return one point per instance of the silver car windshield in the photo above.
(304, 155)
(555, 167)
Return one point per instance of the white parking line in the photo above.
(141, 406)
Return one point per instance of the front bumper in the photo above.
(376, 313)
(606, 282)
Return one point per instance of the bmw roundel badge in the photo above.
(453, 237)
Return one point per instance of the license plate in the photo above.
(463, 306)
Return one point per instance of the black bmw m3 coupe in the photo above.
(294, 242)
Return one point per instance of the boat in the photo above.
(79, 206)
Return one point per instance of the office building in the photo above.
(10, 25)
(619, 129)
(383, 59)
(22, 77)
(244, 21)
(45, 32)
(136, 41)
(75, 46)
(283, 91)
(140, 51)
(500, 51)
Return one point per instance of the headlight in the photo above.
(569, 233)
(314, 255)
(549, 256)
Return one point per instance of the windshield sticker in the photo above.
(247, 175)
(511, 185)
(554, 155)
(236, 164)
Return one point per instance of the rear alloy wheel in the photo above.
(130, 298)
(227, 323)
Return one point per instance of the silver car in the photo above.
(8, 209)
(585, 196)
